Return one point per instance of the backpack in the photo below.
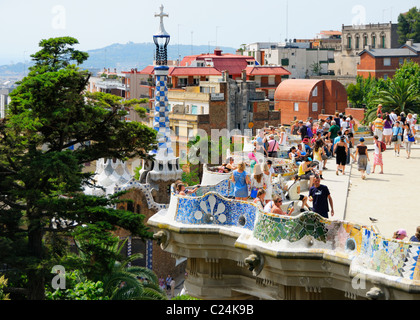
(383, 146)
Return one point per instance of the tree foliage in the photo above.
(52, 128)
(409, 26)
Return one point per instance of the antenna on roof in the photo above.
(192, 42)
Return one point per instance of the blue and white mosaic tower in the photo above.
(166, 165)
(161, 116)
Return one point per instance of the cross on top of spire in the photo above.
(161, 15)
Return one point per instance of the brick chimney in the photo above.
(218, 52)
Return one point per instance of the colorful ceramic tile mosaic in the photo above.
(274, 228)
(391, 257)
(216, 210)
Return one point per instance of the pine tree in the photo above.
(52, 128)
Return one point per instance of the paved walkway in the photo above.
(391, 197)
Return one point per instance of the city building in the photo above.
(210, 68)
(302, 58)
(299, 99)
(223, 104)
(5, 89)
(383, 63)
(354, 40)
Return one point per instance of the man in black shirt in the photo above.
(320, 196)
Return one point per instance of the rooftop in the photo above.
(400, 52)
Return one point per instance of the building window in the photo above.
(365, 41)
(182, 82)
(315, 107)
(349, 43)
(315, 92)
(296, 106)
(357, 42)
(383, 42)
(193, 109)
(387, 62)
(373, 41)
(177, 131)
(385, 76)
(401, 61)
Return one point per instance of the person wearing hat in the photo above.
(400, 234)
(340, 151)
(362, 156)
(257, 180)
(306, 146)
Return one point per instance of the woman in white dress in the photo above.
(283, 136)
(268, 183)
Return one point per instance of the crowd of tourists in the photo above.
(311, 145)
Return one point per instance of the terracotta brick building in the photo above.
(298, 99)
(382, 63)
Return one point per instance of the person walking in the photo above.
(321, 198)
(273, 146)
(397, 133)
(268, 183)
(408, 139)
(387, 131)
(362, 157)
(333, 131)
(377, 155)
(378, 127)
(318, 153)
(240, 180)
(340, 151)
(283, 136)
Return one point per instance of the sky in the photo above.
(99, 23)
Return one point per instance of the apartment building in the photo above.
(383, 63)
(195, 69)
(302, 58)
(354, 40)
(224, 104)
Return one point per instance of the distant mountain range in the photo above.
(123, 57)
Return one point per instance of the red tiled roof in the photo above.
(266, 70)
(148, 70)
(232, 63)
(194, 71)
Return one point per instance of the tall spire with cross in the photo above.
(165, 166)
